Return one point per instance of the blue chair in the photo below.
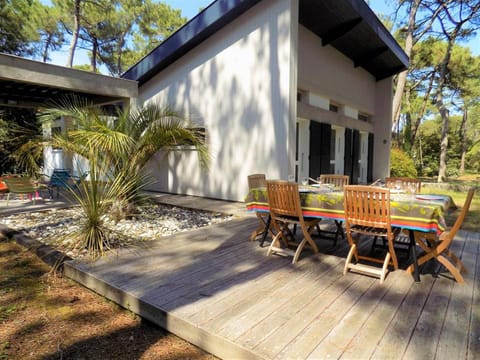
(60, 179)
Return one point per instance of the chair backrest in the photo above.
(450, 234)
(3, 186)
(283, 199)
(256, 181)
(20, 185)
(60, 177)
(339, 181)
(367, 206)
(404, 183)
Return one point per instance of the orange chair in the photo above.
(258, 181)
(337, 181)
(438, 247)
(285, 209)
(367, 213)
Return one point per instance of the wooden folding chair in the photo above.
(438, 247)
(286, 209)
(257, 181)
(408, 185)
(367, 212)
(338, 181)
(404, 183)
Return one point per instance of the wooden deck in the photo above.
(219, 291)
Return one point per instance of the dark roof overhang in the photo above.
(206, 23)
(33, 84)
(350, 26)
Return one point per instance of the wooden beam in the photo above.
(339, 30)
(366, 58)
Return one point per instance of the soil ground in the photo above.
(45, 316)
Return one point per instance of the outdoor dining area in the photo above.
(42, 186)
(378, 222)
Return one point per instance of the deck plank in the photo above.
(365, 341)
(301, 334)
(329, 270)
(221, 292)
(220, 295)
(453, 343)
(285, 292)
(426, 335)
(473, 349)
(397, 335)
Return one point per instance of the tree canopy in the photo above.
(441, 85)
(115, 33)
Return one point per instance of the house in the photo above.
(281, 87)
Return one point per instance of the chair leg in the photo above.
(385, 267)
(393, 255)
(299, 250)
(340, 229)
(353, 250)
(458, 263)
(272, 246)
(260, 229)
(450, 267)
(268, 229)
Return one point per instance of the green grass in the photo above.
(471, 222)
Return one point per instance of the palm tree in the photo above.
(117, 149)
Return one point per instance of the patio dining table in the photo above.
(414, 212)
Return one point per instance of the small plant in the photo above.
(117, 150)
(4, 346)
(401, 165)
(6, 311)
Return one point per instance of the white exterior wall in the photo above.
(383, 128)
(241, 85)
(328, 73)
(325, 71)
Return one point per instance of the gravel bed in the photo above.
(150, 222)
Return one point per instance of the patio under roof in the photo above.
(28, 83)
(350, 26)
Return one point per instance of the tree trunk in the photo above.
(442, 169)
(76, 31)
(463, 138)
(93, 60)
(48, 41)
(402, 77)
(425, 101)
(120, 53)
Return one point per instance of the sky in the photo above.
(190, 8)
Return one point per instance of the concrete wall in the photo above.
(241, 85)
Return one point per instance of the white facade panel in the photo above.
(324, 70)
(350, 112)
(238, 84)
(318, 101)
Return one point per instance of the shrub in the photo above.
(401, 165)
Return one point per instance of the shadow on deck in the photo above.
(219, 291)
